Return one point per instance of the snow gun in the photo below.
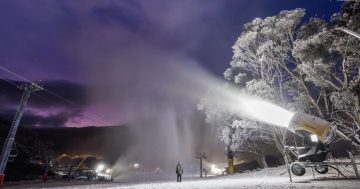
(320, 129)
(317, 135)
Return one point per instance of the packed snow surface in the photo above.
(267, 178)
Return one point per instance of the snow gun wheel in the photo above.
(321, 169)
(298, 169)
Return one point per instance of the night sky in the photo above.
(112, 60)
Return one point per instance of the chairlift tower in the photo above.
(5, 153)
(200, 156)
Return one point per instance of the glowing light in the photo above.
(314, 138)
(136, 165)
(100, 167)
(108, 171)
(215, 170)
(267, 112)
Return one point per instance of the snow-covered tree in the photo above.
(329, 59)
(260, 56)
(346, 100)
(311, 68)
(250, 136)
(262, 52)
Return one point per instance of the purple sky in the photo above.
(118, 60)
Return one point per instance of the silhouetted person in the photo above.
(179, 171)
(205, 172)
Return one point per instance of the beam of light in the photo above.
(266, 112)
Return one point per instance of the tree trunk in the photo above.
(279, 144)
(343, 63)
(344, 73)
(357, 100)
(230, 156)
(326, 103)
(357, 106)
(342, 135)
(231, 166)
(260, 158)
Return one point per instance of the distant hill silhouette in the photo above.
(106, 142)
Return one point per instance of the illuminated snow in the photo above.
(267, 178)
(267, 112)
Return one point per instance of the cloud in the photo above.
(124, 13)
(45, 109)
(32, 118)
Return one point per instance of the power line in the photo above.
(9, 71)
(71, 102)
(50, 92)
(4, 79)
(50, 101)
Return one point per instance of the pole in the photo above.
(287, 160)
(354, 164)
(200, 167)
(200, 156)
(349, 32)
(28, 89)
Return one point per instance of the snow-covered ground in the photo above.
(267, 178)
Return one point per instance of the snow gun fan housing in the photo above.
(323, 129)
(314, 152)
